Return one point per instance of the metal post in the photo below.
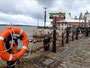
(46, 44)
(72, 35)
(67, 36)
(62, 39)
(54, 35)
(54, 41)
(85, 21)
(45, 17)
(77, 34)
(86, 32)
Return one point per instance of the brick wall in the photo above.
(55, 19)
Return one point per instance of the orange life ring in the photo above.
(4, 34)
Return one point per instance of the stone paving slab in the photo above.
(47, 61)
(74, 55)
(80, 57)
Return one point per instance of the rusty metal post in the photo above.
(46, 43)
(62, 39)
(72, 35)
(77, 34)
(54, 42)
(86, 32)
(54, 35)
(45, 17)
(67, 36)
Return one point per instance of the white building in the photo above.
(68, 21)
(61, 24)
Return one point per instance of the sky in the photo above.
(31, 12)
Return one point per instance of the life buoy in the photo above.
(4, 34)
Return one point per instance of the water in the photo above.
(28, 30)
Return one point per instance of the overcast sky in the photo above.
(29, 11)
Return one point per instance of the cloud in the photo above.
(46, 3)
(28, 11)
(27, 7)
(77, 6)
(17, 19)
(21, 11)
(73, 6)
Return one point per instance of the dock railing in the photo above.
(66, 37)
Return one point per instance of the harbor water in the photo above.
(28, 30)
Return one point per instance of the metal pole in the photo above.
(86, 32)
(45, 17)
(77, 34)
(54, 37)
(72, 35)
(67, 36)
(54, 41)
(62, 39)
(85, 22)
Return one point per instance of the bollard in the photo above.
(72, 35)
(86, 32)
(54, 41)
(77, 34)
(67, 36)
(62, 39)
(46, 43)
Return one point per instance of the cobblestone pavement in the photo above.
(74, 55)
(79, 57)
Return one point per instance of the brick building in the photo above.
(63, 19)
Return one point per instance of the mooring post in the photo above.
(67, 36)
(46, 43)
(54, 41)
(86, 32)
(54, 34)
(72, 35)
(62, 39)
(77, 34)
